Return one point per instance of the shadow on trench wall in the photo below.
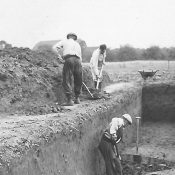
(76, 151)
(158, 102)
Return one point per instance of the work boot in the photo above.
(77, 100)
(69, 101)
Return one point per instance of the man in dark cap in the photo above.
(72, 69)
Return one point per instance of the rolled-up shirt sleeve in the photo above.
(57, 46)
(114, 126)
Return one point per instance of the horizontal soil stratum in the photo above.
(40, 137)
(65, 142)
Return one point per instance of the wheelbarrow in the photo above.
(146, 74)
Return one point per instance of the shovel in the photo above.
(100, 74)
(137, 158)
(94, 93)
(88, 90)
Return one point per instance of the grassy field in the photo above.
(128, 71)
(133, 66)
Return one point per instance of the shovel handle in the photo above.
(137, 140)
(98, 80)
(88, 90)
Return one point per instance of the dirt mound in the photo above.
(30, 81)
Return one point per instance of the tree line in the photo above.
(129, 53)
(124, 53)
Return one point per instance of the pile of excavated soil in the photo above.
(31, 82)
(65, 142)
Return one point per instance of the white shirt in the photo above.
(115, 124)
(96, 56)
(69, 46)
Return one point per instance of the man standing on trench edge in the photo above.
(97, 62)
(72, 69)
(108, 144)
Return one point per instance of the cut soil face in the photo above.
(156, 142)
(31, 82)
(157, 128)
(67, 142)
(158, 102)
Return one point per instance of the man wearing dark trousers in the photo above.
(112, 135)
(72, 69)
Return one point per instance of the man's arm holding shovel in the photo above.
(60, 59)
(116, 141)
(57, 49)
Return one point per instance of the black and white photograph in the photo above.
(87, 87)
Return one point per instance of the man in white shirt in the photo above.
(96, 63)
(72, 69)
(108, 144)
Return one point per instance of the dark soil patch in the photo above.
(153, 165)
(158, 101)
(31, 81)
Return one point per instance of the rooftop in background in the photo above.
(47, 45)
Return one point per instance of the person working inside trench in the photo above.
(112, 135)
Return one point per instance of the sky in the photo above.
(139, 23)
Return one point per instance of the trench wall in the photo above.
(73, 149)
(158, 102)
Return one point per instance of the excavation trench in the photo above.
(157, 132)
(67, 142)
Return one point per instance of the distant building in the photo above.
(47, 45)
(2, 45)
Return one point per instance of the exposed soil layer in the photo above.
(148, 164)
(31, 82)
(156, 141)
(164, 172)
(157, 129)
(158, 102)
(67, 142)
